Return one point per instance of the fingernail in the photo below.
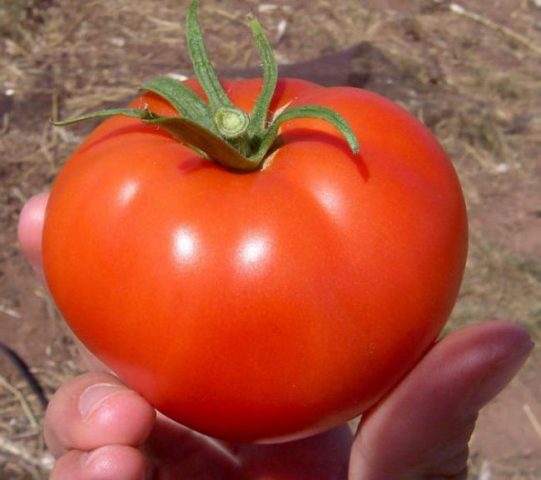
(88, 457)
(501, 374)
(94, 396)
(83, 459)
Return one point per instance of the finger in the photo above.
(113, 462)
(95, 410)
(31, 227)
(421, 430)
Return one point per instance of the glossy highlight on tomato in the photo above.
(261, 305)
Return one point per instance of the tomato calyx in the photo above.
(218, 129)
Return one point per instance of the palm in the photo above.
(176, 453)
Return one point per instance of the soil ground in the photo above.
(470, 70)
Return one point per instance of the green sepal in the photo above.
(190, 133)
(184, 100)
(260, 111)
(307, 111)
(203, 140)
(128, 112)
(204, 71)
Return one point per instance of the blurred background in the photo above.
(470, 70)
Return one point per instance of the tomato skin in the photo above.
(264, 305)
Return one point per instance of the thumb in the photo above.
(421, 429)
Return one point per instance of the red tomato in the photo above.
(262, 305)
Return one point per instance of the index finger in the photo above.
(30, 229)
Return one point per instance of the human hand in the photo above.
(98, 429)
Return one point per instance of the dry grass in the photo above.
(469, 77)
(22, 450)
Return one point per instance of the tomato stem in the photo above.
(224, 133)
(231, 122)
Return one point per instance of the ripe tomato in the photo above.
(254, 306)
